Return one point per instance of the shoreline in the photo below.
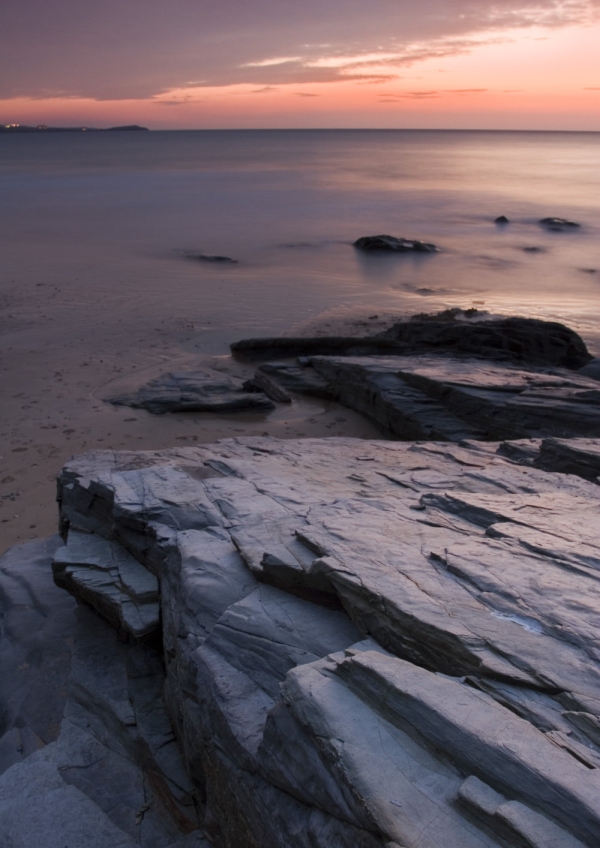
(54, 411)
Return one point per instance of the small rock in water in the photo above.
(558, 224)
(205, 257)
(501, 219)
(394, 245)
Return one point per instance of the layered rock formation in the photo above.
(522, 341)
(433, 397)
(204, 390)
(365, 643)
(87, 751)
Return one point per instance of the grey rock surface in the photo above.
(365, 643)
(571, 456)
(431, 397)
(87, 750)
(262, 382)
(194, 391)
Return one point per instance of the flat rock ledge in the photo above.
(519, 341)
(438, 377)
(433, 397)
(363, 643)
(203, 390)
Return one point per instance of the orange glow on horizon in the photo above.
(537, 79)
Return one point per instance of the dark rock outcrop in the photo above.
(207, 257)
(501, 219)
(559, 224)
(519, 340)
(522, 340)
(194, 391)
(391, 244)
(438, 398)
(451, 697)
(570, 456)
(592, 369)
(262, 382)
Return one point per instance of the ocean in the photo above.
(112, 222)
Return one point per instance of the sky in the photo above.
(210, 64)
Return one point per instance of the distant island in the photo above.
(21, 128)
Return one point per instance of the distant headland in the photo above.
(21, 128)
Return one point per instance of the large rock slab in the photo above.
(433, 397)
(193, 391)
(367, 643)
(524, 341)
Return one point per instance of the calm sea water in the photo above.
(119, 213)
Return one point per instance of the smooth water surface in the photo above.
(116, 216)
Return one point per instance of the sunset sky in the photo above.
(167, 64)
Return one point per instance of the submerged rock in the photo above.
(369, 643)
(501, 219)
(558, 224)
(206, 257)
(394, 245)
(592, 369)
(194, 391)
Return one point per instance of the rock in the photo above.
(375, 387)
(518, 340)
(106, 576)
(450, 697)
(570, 456)
(262, 382)
(205, 257)
(35, 658)
(38, 808)
(194, 391)
(501, 219)
(558, 224)
(433, 397)
(592, 369)
(296, 378)
(284, 347)
(394, 245)
(87, 752)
